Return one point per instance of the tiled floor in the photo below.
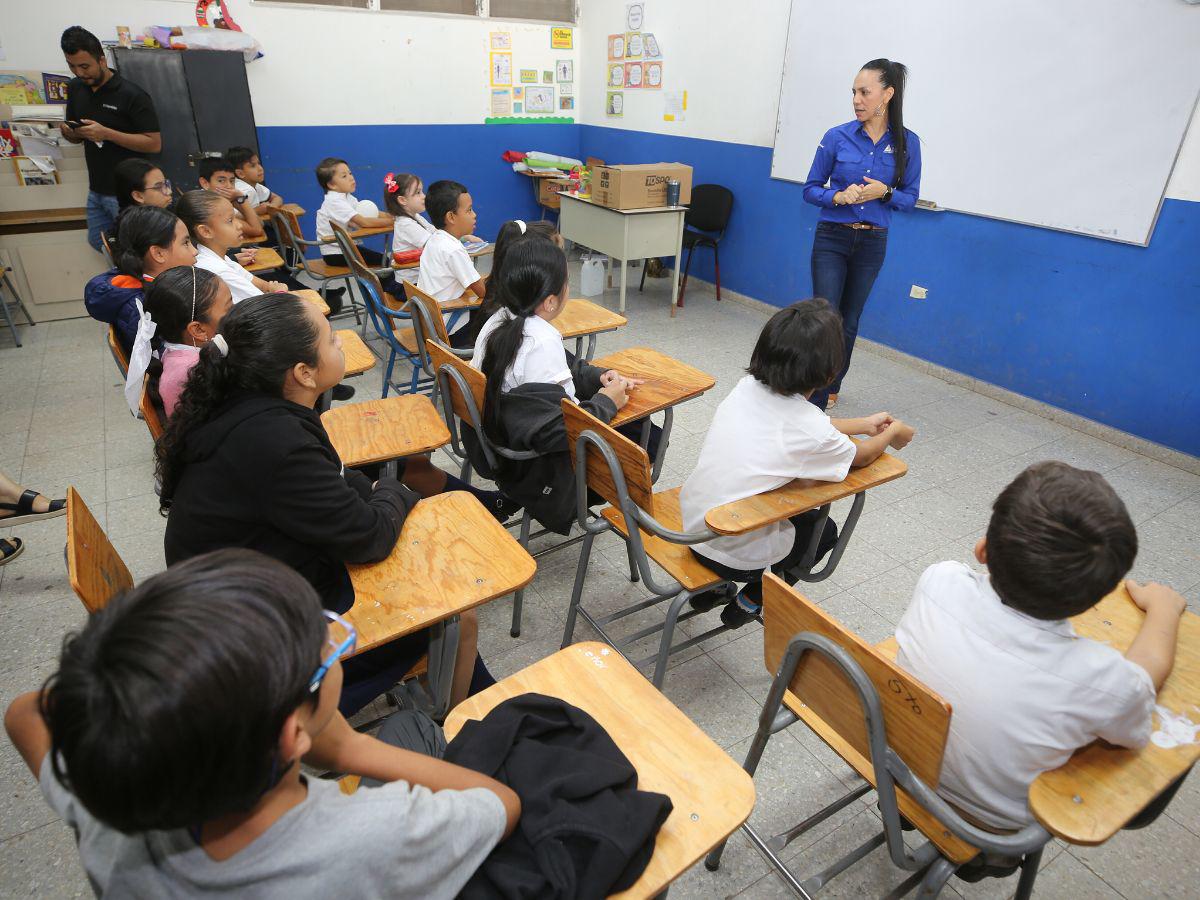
(64, 422)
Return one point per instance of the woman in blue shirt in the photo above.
(872, 166)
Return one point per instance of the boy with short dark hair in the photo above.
(766, 433)
(250, 173)
(217, 174)
(171, 738)
(1026, 691)
(446, 268)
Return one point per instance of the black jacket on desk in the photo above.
(262, 474)
(531, 419)
(586, 830)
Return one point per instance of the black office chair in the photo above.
(704, 226)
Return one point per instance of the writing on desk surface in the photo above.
(898, 687)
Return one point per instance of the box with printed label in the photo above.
(641, 186)
(549, 189)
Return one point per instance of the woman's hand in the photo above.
(850, 194)
(245, 257)
(872, 190)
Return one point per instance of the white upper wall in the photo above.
(320, 66)
(728, 56)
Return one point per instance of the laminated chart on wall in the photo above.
(635, 16)
(616, 46)
(501, 40)
(529, 76)
(564, 70)
(634, 47)
(562, 38)
(502, 103)
(539, 99)
(652, 77)
(614, 104)
(633, 75)
(635, 63)
(616, 75)
(501, 67)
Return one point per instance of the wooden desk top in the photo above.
(582, 317)
(452, 556)
(798, 496)
(1091, 797)
(466, 301)
(313, 297)
(359, 357)
(546, 173)
(668, 381)
(265, 258)
(712, 794)
(266, 212)
(17, 218)
(375, 431)
(359, 233)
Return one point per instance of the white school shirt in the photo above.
(446, 267)
(411, 233)
(241, 282)
(340, 208)
(758, 441)
(254, 193)
(540, 359)
(1025, 693)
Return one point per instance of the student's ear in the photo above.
(197, 333)
(304, 375)
(981, 551)
(294, 741)
(158, 254)
(204, 184)
(139, 197)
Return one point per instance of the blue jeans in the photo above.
(102, 212)
(845, 262)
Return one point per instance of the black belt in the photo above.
(861, 226)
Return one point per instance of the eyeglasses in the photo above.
(341, 642)
(163, 187)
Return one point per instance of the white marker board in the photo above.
(1067, 114)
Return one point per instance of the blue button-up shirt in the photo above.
(844, 157)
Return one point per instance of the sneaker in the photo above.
(741, 611)
(343, 392)
(711, 599)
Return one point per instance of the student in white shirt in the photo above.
(404, 198)
(215, 229)
(1025, 690)
(341, 206)
(250, 173)
(447, 271)
(216, 174)
(766, 433)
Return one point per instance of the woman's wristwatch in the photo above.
(887, 198)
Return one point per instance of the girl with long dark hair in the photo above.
(150, 241)
(863, 171)
(246, 462)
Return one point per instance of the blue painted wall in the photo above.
(466, 153)
(1108, 331)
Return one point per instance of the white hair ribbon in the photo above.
(520, 224)
(139, 359)
(219, 342)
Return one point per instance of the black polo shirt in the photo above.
(120, 105)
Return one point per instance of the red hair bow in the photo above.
(389, 182)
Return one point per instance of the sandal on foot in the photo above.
(10, 549)
(22, 510)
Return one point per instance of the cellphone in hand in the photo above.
(74, 123)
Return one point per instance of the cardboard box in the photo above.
(549, 189)
(639, 187)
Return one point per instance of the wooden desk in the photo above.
(1091, 797)
(712, 795)
(582, 318)
(313, 297)
(451, 557)
(798, 496)
(265, 258)
(31, 221)
(669, 382)
(360, 233)
(269, 212)
(625, 234)
(376, 431)
(359, 357)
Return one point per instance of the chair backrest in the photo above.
(96, 570)
(106, 245)
(287, 226)
(346, 244)
(634, 462)
(149, 411)
(916, 719)
(474, 379)
(710, 208)
(420, 303)
(118, 354)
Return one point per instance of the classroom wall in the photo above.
(1105, 330)
(418, 82)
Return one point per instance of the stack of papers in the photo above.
(41, 112)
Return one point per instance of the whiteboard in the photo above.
(1067, 114)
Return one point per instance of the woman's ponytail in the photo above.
(894, 75)
(138, 229)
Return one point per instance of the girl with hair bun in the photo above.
(150, 240)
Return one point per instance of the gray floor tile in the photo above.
(43, 863)
(1160, 860)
